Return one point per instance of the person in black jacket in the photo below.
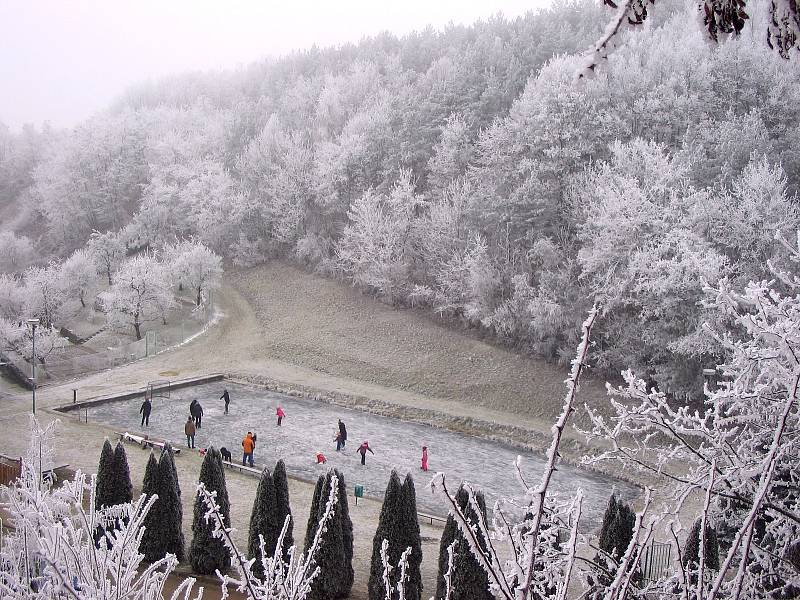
(197, 412)
(145, 409)
(342, 433)
(227, 397)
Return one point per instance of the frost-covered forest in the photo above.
(463, 170)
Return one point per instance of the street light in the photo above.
(33, 323)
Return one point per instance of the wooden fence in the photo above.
(10, 469)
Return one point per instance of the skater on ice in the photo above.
(227, 398)
(362, 450)
(247, 446)
(147, 406)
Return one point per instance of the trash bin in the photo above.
(358, 493)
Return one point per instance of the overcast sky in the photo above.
(62, 60)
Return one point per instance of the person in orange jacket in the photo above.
(248, 445)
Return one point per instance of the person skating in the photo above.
(189, 429)
(321, 460)
(338, 440)
(247, 446)
(196, 411)
(227, 398)
(145, 409)
(255, 438)
(280, 414)
(424, 458)
(343, 432)
(362, 450)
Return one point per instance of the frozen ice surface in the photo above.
(310, 426)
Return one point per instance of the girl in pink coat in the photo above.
(280, 414)
(424, 458)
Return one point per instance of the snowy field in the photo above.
(310, 426)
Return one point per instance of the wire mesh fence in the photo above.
(153, 342)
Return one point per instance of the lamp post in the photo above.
(33, 323)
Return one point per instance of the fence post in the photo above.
(74, 395)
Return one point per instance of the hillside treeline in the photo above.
(464, 170)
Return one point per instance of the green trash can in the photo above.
(358, 493)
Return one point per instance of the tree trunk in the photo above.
(108, 272)
(198, 295)
(83, 304)
(137, 326)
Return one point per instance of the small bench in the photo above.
(145, 442)
(431, 518)
(242, 468)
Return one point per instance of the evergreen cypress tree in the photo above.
(691, 551)
(123, 488)
(263, 522)
(615, 536)
(343, 510)
(170, 506)
(282, 507)
(206, 553)
(469, 580)
(605, 542)
(330, 582)
(113, 484)
(151, 545)
(313, 515)
(617, 529)
(387, 529)
(409, 530)
(104, 488)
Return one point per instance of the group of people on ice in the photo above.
(195, 420)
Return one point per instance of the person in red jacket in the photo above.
(362, 450)
(280, 414)
(424, 458)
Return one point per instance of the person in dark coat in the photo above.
(145, 409)
(362, 450)
(227, 397)
(196, 410)
(342, 433)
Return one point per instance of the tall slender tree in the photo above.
(388, 530)
(171, 508)
(207, 553)
(123, 488)
(343, 513)
(151, 545)
(332, 581)
(468, 579)
(282, 507)
(313, 514)
(410, 538)
(104, 490)
(263, 522)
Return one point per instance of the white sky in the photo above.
(62, 60)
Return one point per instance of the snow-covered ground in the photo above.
(310, 426)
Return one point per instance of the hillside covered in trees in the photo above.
(464, 170)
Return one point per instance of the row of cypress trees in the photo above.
(398, 523)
